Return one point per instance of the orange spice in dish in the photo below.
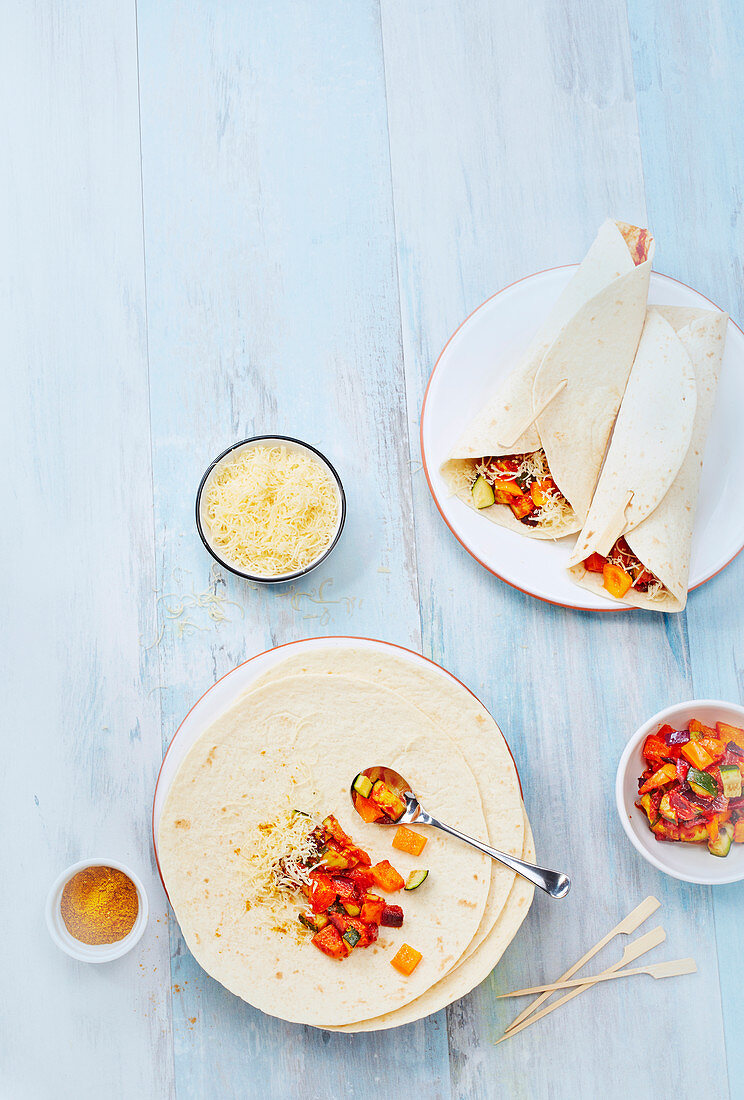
(99, 905)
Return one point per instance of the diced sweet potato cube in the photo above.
(615, 580)
(406, 960)
(386, 877)
(696, 756)
(389, 801)
(330, 941)
(407, 840)
(367, 809)
(730, 733)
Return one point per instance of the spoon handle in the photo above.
(554, 883)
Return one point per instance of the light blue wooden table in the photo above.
(223, 218)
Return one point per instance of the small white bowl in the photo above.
(86, 952)
(292, 445)
(689, 862)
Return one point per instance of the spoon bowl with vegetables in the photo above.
(382, 796)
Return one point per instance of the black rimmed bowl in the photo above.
(291, 444)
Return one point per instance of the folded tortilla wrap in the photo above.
(586, 345)
(656, 455)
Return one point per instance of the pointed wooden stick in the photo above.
(655, 970)
(632, 952)
(538, 412)
(633, 921)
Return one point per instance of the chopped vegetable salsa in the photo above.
(344, 912)
(621, 570)
(523, 483)
(691, 790)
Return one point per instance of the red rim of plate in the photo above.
(286, 645)
(493, 572)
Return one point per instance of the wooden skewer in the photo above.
(655, 970)
(633, 921)
(538, 412)
(632, 952)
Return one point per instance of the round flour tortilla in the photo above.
(471, 970)
(458, 714)
(298, 743)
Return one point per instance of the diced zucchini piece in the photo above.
(482, 493)
(352, 909)
(314, 921)
(666, 810)
(352, 937)
(721, 845)
(363, 785)
(702, 783)
(731, 779)
(647, 804)
(415, 879)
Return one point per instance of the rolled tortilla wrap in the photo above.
(586, 345)
(657, 523)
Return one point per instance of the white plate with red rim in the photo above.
(482, 351)
(221, 695)
(688, 862)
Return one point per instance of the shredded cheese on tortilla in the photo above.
(270, 511)
(275, 859)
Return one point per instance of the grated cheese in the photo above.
(534, 466)
(282, 853)
(270, 510)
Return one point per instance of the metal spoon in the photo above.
(554, 883)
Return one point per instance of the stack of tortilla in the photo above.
(297, 739)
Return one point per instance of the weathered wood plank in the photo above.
(273, 307)
(82, 735)
(689, 68)
(513, 134)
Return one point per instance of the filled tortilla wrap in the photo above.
(549, 422)
(635, 544)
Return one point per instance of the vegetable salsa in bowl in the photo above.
(680, 791)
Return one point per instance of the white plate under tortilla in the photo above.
(224, 693)
(482, 351)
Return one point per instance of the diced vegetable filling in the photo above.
(691, 790)
(343, 913)
(381, 803)
(621, 570)
(522, 483)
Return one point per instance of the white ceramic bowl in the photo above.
(689, 862)
(291, 445)
(85, 952)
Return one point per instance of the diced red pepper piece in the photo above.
(406, 960)
(595, 563)
(684, 809)
(322, 892)
(367, 932)
(346, 890)
(386, 877)
(616, 580)
(660, 778)
(392, 916)
(332, 827)
(361, 877)
(330, 941)
(682, 769)
(655, 748)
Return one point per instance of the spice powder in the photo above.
(99, 905)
